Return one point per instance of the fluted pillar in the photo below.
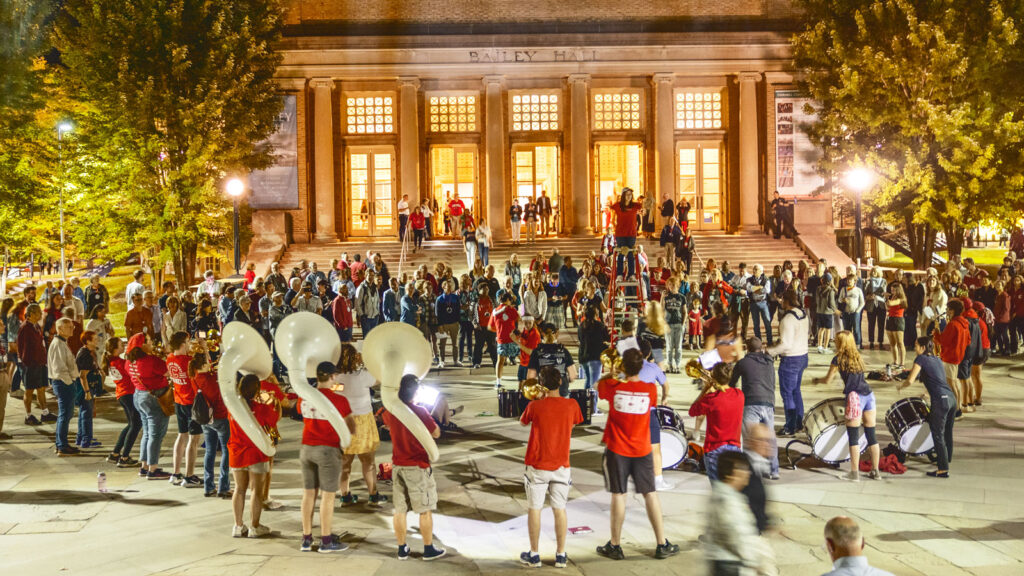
(409, 139)
(664, 137)
(749, 157)
(577, 201)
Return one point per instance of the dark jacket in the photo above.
(756, 374)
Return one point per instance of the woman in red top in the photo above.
(896, 302)
(625, 213)
(248, 463)
(723, 407)
(148, 374)
(1017, 313)
(1001, 312)
(341, 314)
(113, 366)
(216, 431)
(419, 227)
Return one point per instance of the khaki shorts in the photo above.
(413, 489)
(321, 467)
(257, 468)
(449, 330)
(554, 484)
(951, 370)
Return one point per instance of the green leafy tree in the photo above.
(178, 93)
(926, 95)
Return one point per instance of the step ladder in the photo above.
(626, 298)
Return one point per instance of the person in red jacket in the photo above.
(723, 407)
(216, 431)
(248, 463)
(419, 227)
(341, 314)
(1003, 306)
(953, 343)
(973, 392)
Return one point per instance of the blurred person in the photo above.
(732, 545)
(755, 373)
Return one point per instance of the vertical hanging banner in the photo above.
(278, 185)
(795, 153)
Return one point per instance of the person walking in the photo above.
(755, 374)
(456, 211)
(731, 541)
(792, 348)
(63, 373)
(419, 228)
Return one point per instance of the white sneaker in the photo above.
(821, 350)
(661, 485)
(440, 364)
(259, 531)
(497, 384)
(239, 531)
(272, 504)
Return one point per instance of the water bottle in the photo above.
(101, 481)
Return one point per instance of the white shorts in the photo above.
(554, 484)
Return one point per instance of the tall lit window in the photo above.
(370, 114)
(453, 113)
(698, 110)
(617, 111)
(534, 111)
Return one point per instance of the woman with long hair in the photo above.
(594, 339)
(653, 329)
(100, 325)
(625, 215)
(514, 271)
(356, 382)
(54, 311)
(860, 402)
(1001, 311)
(249, 465)
(895, 325)
(114, 367)
(825, 303)
(936, 299)
(148, 374)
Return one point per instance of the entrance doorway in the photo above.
(453, 169)
(700, 182)
(536, 171)
(616, 166)
(371, 184)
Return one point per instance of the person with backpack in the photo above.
(209, 411)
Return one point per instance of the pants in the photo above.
(65, 394)
(484, 251)
(517, 231)
(711, 459)
(910, 330)
(456, 224)
(725, 568)
(216, 434)
(1002, 337)
(531, 231)
(764, 415)
(345, 334)
(675, 345)
(591, 373)
(876, 324)
(470, 254)
(744, 307)
(484, 338)
(465, 340)
(86, 409)
(791, 372)
(403, 225)
(545, 224)
(368, 324)
(852, 322)
(1016, 332)
(759, 312)
(941, 420)
(126, 440)
(626, 242)
(417, 238)
(154, 427)
(429, 231)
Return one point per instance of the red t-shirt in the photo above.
(316, 428)
(628, 432)
(484, 309)
(206, 382)
(406, 450)
(724, 411)
(274, 389)
(530, 339)
(119, 373)
(456, 207)
(177, 371)
(504, 321)
(553, 419)
(625, 220)
(241, 451)
(148, 373)
(418, 221)
(895, 311)
(341, 311)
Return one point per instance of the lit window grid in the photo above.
(453, 113)
(370, 114)
(534, 112)
(698, 110)
(617, 111)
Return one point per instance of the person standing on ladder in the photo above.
(624, 215)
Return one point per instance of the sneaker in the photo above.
(821, 350)
(192, 481)
(239, 532)
(348, 499)
(853, 476)
(225, 495)
(210, 494)
(433, 553)
(666, 550)
(561, 560)
(272, 504)
(611, 551)
(127, 462)
(459, 364)
(113, 457)
(476, 366)
(158, 474)
(661, 484)
(307, 544)
(143, 473)
(497, 384)
(773, 476)
(378, 498)
(403, 552)
(875, 474)
(91, 444)
(49, 418)
(785, 433)
(530, 559)
(176, 479)
(332, 545)
(259, 531)
(31, 420)
(440, 364)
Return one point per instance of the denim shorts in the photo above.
(867, 402)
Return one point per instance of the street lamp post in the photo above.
(61, 129)
(859, 180)
(235, 189)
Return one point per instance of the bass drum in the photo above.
(825, 425)
(907, 421)
(674, 445)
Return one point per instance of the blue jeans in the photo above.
(851, 322)
(484, 251)
(759, 313)
(626, 242)
(345, 334)
(154, 427)
(791, 372)
(711, 459)
(216, 434)
(65, 394)
(758, 414)
(591, 372)
(675, 345)
(367, 324)
(86, 410)
(465, 340)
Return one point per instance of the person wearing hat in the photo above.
(550, 353)
(320, 460)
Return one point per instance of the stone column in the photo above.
(576, 203)
(749, 157)
(323, 156)
(494, 152)
(664, 137)
(409, 139)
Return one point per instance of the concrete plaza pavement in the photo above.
(54, 521)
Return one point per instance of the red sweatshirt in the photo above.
(341, 311)
(954, 340)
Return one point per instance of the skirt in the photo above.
(365, 439)
(895, 324)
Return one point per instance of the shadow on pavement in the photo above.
(74, 497)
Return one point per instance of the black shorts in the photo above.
(619, 469)
(36, 377)
(980, 360)
(895, 324)
(655, 427)
(825, 321)
(186, 425)
(963, 370)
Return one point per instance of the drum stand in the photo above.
(802, 456)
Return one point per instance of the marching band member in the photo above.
(356, 382)
(248, 463)
(722, 405)
(216, 431)
(942, 414)
(186, 445)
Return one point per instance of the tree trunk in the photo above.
(954, 239)
(184, 260)
(921, 240)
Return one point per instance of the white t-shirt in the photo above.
(625, 344)
(357, 390)
(403, 207)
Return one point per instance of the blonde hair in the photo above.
(654, 316)
(848, 357)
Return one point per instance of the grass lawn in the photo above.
(990, 258)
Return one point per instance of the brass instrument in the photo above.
(611, 362)
(532, 389)
(697, 372)
(213, 341)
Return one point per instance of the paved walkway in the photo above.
(53, 520)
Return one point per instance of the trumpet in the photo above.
(697, 372)
(532, 389)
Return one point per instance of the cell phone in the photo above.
(580, 530)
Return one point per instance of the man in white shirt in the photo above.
(63, 371)
(403, 216)
(793, 333)
(845, 545)
(306, 301)
(71, 301)
(134, 287)
(208, 286)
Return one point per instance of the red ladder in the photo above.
(621, 304)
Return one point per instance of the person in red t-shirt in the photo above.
(320, 458)
(626, 213)
(527, 339)
(189, 433)
(455, 209)
(271, 401)
(419, 227)
(723, 407)
(504, 322)
(412, 477)
(216, 431)
(628, 454)
(113, 366)
(248, 463)
(547, 462)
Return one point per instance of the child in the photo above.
(696, 324)
(216, 431)
(414, 485)
(248, 463)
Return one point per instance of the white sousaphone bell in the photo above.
(302, 341)
(391, 351)
(242, 349)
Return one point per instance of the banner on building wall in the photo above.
(278, 185)
(795, 153)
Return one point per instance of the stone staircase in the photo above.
(756, 248)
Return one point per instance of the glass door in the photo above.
(616, 165)
(535, 174)
(700, 183)
(372, 203)
(453, 173)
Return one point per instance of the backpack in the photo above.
(202, 413)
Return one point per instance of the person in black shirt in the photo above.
(594, 339)
(530, 218)
(88, 384)
(515, 214)
(550, 353)
(942, 414)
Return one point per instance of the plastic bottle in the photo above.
(101, 481)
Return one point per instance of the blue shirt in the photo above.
(651, 373)
(447, 308)
(854, 566)
(409, 310)
(390, 306)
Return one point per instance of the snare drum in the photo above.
(673, 437)
(825, 425)
(907, 421)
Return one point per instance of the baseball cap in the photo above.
(325, 369)
(136, 341)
